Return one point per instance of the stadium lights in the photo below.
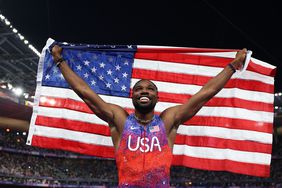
(26, 95)
(17, 91)
(4, 86)
(43, 99)
(21, 37)
(7, 22)
(10, 86)
(15, 31)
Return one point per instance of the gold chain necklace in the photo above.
(144, 121)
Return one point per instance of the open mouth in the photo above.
(144, 99)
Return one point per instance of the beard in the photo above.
(144, 108)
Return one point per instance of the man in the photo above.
(143, 141)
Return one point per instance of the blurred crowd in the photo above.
(26, 165)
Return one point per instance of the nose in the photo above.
(144, 91)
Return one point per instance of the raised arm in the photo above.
(113, 114)
(175, 116)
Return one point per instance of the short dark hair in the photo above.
(145, 80)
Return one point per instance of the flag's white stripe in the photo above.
(222, 154)
(217, 54)
(196, 70)
(219, 132)
(70, 114)
(229, 112)
(88, 138)
(176, 67)
(224, 93)
(237, 113)
(226, 133)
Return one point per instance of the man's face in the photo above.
(144, 96)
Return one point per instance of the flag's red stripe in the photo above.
(258, 68)
(83, 148)
(73, 125)
(66, 103)
(230, 123)
(192, 59)
(196, 120)
(204, 60)
(222, 165)
(205, 141)
(199, 80)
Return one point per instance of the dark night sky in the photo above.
(203, 23)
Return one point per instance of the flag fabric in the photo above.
(232, 132)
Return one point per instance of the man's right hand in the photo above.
(56, 52)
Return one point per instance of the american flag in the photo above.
(154, 128)
(232, 132)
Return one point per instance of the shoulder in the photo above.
(168, 117)
(120, 116)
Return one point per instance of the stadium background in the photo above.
(25, 27)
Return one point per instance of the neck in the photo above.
(144, 118)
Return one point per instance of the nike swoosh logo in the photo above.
(133, 128)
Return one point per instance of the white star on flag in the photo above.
(47, 77)
(108, 85)
(116, 80)
(109, 72)
(86, 63)
(78, 67)
(93, 82)
(123, 88)
(118, 67)
(101, 77)
(93, 69)
(86, 75)
(102, 65)
(124, 75)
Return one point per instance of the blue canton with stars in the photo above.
(106, 69)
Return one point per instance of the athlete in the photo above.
(143, 141)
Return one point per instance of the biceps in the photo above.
(189, 109)
(106, 113)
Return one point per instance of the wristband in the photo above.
(232, 67)
(59, 61)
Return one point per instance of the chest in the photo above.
(138, 138)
